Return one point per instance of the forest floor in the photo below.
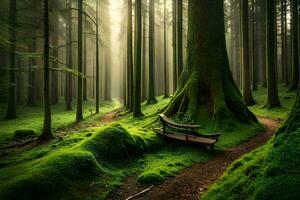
(191, 182)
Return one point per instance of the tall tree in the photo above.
(47, 132)
(166, 84)
(11, 100)
(55, 65)
(273, 99)
(174, 36)
(207, 93)
(97, 59)
(79, 115)
(255, 72)
(247, 93)
(151, 90)
(129, 57)
(179, 37)
(69, 57)
(85, 98)
(295, 45)
(138, 59)
(283, 40)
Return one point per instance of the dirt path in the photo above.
(193, 181)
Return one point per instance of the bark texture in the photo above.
(207, 93)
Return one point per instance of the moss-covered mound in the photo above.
(24, 134)
(68, 173)
(271, 172)
(114, 144)
(150, 177)
(62, 175)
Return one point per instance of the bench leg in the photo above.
(212, 147)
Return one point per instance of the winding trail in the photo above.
(190, 183)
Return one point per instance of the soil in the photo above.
(190, 183)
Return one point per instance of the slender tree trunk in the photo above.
(283, 40)
(47, 132)
(254, 49)
(31, 76)
(85, 98)
(247, 94)
(179, 37)
(11, 100)
(151, 90)
(69, 57)
(174, 25)
(54, 71)
(79, 115)
(295, 46)
(273, 99)
(129, 58)
(138, 50)
(207, 93)
(166, 84)
(97, 60)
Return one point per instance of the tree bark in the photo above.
(129, 57)
(138, 55)
(47, 132)
(295, 46)
(166, 84)
(207, 93)
(79, 115)
(174, 36)
(11, 100)
(97, 60)
(179, 37)
(273, 99)
(69, 57)
(247, 93)
(151, 89)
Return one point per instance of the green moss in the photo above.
(271, 172)
(150, 177)
(24, 134)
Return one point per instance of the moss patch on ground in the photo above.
(270, 172)
(31, 118)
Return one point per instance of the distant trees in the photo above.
(11, 100)
(97, 59)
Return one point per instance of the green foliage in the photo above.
(150, 177)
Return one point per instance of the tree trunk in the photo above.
(138, 51)
(273, 99)
(247, 93)
(151, 89)
(11, 100)
(129, 58)
(47, 132)
(54, 71)
(32, 99)
(97, 60)
(254, 40)
(166, 84)
(295, 46)
(69, 57)
(207, 93)
(174, 25)
(79, 115)
(179, 37)
(283, 40)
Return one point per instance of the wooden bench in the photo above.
(185, 132)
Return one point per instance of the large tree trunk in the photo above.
(11, 100)
(207, 93)
(151, 91)
(79, 115)
(273, 99)
(47, 132)
(138, 59)
(247, 93)
(295, 45)
(69, 57)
